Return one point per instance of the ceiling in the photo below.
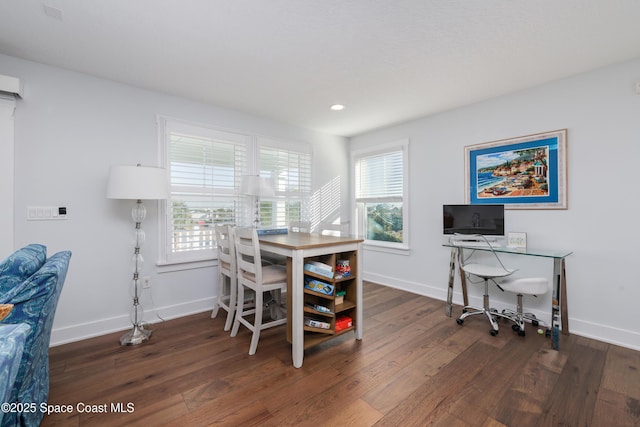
(387, 61)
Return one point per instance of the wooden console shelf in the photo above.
(299, 247)
(314, 335)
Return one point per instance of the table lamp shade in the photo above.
(255, 185)
(137, 183)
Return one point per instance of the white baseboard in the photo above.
(83, 331)
(622, 337)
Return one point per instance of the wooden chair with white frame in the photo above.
(227, 273)
(252, 275)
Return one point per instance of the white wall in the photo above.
(601, 111)
(69, 128)
(7, 108)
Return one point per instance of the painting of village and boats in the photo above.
(525, 172)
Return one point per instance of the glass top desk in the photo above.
(559, 312)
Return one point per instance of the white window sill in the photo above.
(167, 267)
(394, 251)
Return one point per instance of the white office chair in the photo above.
(523, 286)
(252, 275)
(227, 272)
(329, 229)
(486, 273)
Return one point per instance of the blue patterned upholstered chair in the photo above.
(32, 284)
(12, 339)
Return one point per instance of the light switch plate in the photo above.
(46, 213)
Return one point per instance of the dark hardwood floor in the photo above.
(414, 367)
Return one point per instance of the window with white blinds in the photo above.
(288, 168)
(380, 179)
(205, 167)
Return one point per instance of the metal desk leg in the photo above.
(455, 253)
(452, 268)
(559, 309)
(463, 279)
(564, 311)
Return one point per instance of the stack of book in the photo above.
(319, 268)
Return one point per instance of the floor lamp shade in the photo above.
(138, 183)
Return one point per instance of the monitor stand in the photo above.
(475, 238)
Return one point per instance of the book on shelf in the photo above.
(316, 323)
(318, 270)
(318, 286)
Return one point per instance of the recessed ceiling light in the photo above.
(337, 107)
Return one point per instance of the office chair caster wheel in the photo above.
(493, 332)
(459, 321)
(535, 322)
(515, 327)
(521, 332)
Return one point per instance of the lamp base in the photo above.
(136, 336)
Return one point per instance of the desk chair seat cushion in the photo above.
(523, 286)
(526, 285)
(486, 271)
(270, 274)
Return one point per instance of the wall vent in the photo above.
(11, 85)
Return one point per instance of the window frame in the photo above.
(359, 210)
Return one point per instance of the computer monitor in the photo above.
(487, 220)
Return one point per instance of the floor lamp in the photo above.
(256, 186)
(137, 183)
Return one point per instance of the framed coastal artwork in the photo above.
(528, 172)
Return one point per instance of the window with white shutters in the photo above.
(287, 166)
(205, 166)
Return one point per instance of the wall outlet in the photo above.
(146, 282)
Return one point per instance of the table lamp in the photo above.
(256, 186)
(137, 183)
